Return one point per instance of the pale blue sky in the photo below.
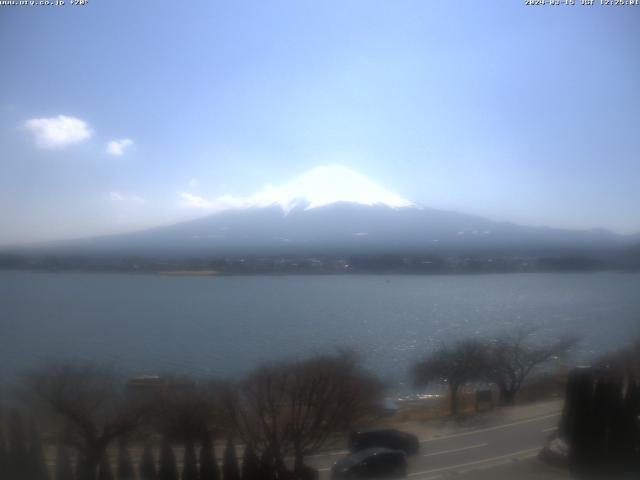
(527, 114)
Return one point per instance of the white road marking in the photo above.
(550, 429)
(488, 429)
(528, 451)
(442, 452)
(462, 434)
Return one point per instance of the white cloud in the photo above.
(118, 197)
(58, 132)
(194, 201)
(320, 186)
(115, 197)
(117, 147)
(194, 183)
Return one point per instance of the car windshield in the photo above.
(358, 457)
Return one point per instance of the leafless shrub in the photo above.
(453, 366)
(188, 408)
(294, 407)
(511, 359)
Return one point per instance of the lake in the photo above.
(227, 325)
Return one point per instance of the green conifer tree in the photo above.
(3, 450)
(267, 467)
(147, 467)
(230, 469)
(250, 464)
(125, 469)
(36, 461)
(63, 470)
(208, 463)
(82, 470)
(104, 468)
(189, 462)
(18, 457)
(168, 469)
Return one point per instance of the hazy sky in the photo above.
(111, 112)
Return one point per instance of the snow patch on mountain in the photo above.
(318, 187)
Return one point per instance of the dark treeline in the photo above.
(427, 263)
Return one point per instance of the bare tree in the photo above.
(294, 407)
(91, 406)
(512, 358)
(188, 408)
(257, 409)
(325, 395)
(453, 366)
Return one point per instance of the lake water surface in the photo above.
(227, 325)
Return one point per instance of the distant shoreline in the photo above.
(217, 273)
(189, 273)
(408, 263)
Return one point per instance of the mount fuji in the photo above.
(333, 210)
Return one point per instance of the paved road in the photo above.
(469, 450)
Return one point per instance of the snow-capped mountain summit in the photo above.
(319, 187)
(332, 210)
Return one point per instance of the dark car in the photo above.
(371, 463)
(386, 438)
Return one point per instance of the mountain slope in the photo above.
(332, 210)
(347, 228)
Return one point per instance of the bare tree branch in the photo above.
(453, 366)
(90, 405)
(513, 357)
